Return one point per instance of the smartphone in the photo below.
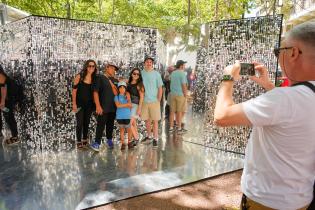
(247, 69)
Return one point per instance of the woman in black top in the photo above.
(82, 100)
(7, 104)
(136, 90)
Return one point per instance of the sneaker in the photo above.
(171, 129)
(135, 142)
(123, 147)
(130, 145)
(155, 143)
(12, 141)
(184, 129)
(110, 143)
(95, 146)
(181, 131)
(145, 139)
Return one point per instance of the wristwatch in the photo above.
(227, 77)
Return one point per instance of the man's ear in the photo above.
(295, 53)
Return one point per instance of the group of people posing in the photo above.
(126, 101)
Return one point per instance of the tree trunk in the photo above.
(113, 10)
(188, 22)
(216, 10)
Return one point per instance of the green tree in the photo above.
(173, 18)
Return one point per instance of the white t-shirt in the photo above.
(279, 170)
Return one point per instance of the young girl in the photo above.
(123, 114)
(82, 100)
(136, 90)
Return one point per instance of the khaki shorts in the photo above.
(249, 204)
(151, 111)
(178, 103)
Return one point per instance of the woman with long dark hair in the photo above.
(82, 100)
(136, 89)
(7, 104)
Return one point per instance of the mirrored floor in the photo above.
(79, 179)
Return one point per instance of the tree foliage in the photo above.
(169, 16)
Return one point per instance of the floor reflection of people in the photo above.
(150, 162)
(173, 154)
(11, 173)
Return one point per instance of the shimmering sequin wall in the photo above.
(48, 52)
(247, 40)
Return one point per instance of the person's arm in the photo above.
(98, 106)
(141, 93)
(114, 88)
(128, 99)
(74, 92)
(263, 78)
(184, 86)
(120, 105)
(226, 112)
(160, 87)
(3, 90)
(96, 97)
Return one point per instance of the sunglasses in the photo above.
(277, 50)
(91, 66)
(135, 74)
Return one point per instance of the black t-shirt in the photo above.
(85, 94)
(105, 92)
(134, 93)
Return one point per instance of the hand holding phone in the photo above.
(247, 69)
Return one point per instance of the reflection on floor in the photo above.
(81, 178)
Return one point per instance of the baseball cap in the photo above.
(148, 58)
(179, 63)
(122, 83)
(113, 64)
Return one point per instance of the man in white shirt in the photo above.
(279, 169)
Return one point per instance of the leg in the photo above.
(86, 122)
(122, 138)
(133, 127)
(179, 120)
(110, 125)
(101, 120)
(122, 135)
(110, 128)
(80, 118)
(148, 127)
(155, 115)
(10, 119)
(171, 119)
(129, 134)
(156, 129)
(172, 110)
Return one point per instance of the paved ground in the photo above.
(221, 192)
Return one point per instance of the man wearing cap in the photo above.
(178, 95)
(151, 110)
(103, 94)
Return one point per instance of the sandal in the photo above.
(79, 145)
(12, 141)
(85, 142)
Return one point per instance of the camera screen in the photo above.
(247, 69)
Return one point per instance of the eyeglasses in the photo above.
(277, 50)
(91, 66)
(135, 74)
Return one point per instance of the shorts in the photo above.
(178, 103)
(134, 110)
(151, 111)
(123, 123)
